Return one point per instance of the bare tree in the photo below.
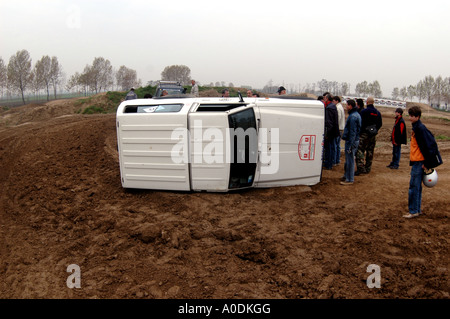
(362, 89)
(446, 91)
(411, 92)
(345, 88)
(428, 84)
(438, 88)
(42, 71)
(180, 73)
(36, 83)
(323, 85)
(19, 72)
(86, 79)
(395, 93)
(74, 82)
(126, 78)
(374, 89)
(404, 93)
(420, 91)
(3, 75)
(100, 74)
(55, 74)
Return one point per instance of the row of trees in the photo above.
(182, 74)
(20, 76)
(100, 75)
(343, 88)
(434, 90)
(334, 87)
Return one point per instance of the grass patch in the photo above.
(442, 138)
(95, 109)
(115, 97)
(83, 101)
(141, 92)
(100, 105)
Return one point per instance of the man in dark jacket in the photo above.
(424, 155)
(398, 137)
(331, 132)
(425, 140)
(351, 138)
(131, 95)
(371, 124)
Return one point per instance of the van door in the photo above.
(290, 142)
(208, 164)
(223, 149)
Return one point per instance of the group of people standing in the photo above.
(334, 127)
(359, 133)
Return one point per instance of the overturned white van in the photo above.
(219, 144)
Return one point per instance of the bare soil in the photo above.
(62, 203)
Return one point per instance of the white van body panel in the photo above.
(145, 147)
(300, 128)
(174, 144)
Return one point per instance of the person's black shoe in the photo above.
(359, 172)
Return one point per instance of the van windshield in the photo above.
(244, 148)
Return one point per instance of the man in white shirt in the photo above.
(194, 89)
(341, 120)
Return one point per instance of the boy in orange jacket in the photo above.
(424, 154)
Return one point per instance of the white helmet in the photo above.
(430, 179)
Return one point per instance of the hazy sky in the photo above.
(244, 42)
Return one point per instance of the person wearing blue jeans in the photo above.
(349, 166)
(424, 154)
(351, 138)
(415, 189)
(396, 154)
(329, 152)
(341, 121)
(398, 137)
(331, 131)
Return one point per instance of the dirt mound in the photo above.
(62, 203)
(36, 112)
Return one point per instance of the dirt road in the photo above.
(62, 203)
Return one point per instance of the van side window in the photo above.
(244, 147)
(165, 108)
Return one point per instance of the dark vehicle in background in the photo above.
(172, 88)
